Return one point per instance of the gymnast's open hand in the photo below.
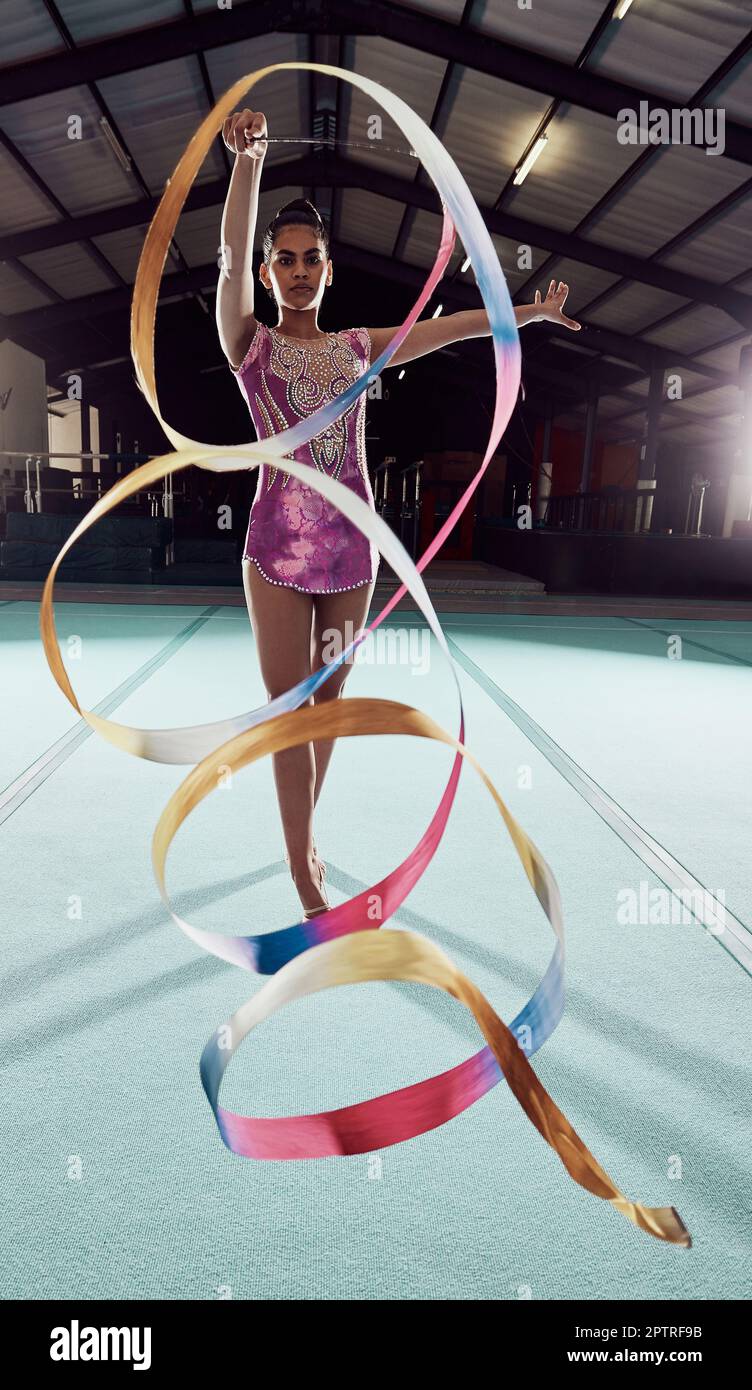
(551, 307)
(238, 130)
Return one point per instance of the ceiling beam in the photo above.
(467, 367)
(590, 46)
(613, 344)
(638, 166)
(334, 170)
(79, 337)
(144, 47)
(619, 345)
(65, 34)
(423, 32)
(23, 248)
(341, 121)
(464, 370)
(438, 122)
(687, 234)
(483, 53)
(210, 96)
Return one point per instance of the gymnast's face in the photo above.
(299, 271)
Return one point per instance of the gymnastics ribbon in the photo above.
(348, 943)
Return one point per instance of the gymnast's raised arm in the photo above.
(235, 320)
(430, 334)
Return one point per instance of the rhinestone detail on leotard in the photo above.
(251, 560)
(303, 368)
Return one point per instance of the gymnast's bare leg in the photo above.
(332, 614)
(282, 621)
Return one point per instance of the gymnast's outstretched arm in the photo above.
(430, 334)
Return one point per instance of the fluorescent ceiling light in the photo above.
(465, 265)
(115, 144)
(521, 174)
(621, 8)
(402, 373)
(436, 312)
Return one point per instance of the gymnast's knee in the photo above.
(331, 689)
(279, 688)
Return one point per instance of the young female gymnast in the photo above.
(307, 571)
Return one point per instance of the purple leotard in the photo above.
(295, 537)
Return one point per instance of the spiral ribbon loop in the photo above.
(349, 943)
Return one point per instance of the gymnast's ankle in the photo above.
(309, 881)
(302, 865)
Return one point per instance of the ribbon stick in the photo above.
(348, 943)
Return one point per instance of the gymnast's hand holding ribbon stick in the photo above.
(244, 133)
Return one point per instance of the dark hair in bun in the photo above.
(300, 212)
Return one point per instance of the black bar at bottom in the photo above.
(217, 1336)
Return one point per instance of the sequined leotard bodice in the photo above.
(295, 537)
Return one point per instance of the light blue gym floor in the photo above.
(613, 756)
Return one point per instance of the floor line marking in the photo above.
(702, 646)
(23, 786)
(735, 937)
